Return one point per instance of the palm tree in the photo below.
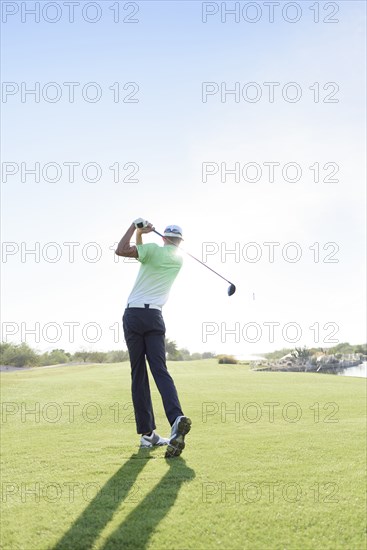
(301, 355)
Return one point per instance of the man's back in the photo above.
(159, 268)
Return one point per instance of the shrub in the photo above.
(117, 356)
(97, 356)
(227, 360)
(19, 355)
(55, 357)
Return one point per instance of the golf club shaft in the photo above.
(193, 257)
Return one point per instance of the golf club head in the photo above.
(231, 289)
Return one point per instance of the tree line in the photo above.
(22, 355)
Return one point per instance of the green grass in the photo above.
(240, 483)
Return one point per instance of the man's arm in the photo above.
(124, 248)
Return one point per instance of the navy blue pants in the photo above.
(144, 331)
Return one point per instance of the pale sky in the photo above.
(165, 137)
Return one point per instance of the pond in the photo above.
(359, 370)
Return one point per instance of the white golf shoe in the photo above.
(180, 427)
(153, 440)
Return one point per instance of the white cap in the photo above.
(173, 231)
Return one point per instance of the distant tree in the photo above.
(20, 355)
(44, 359)
(117, 356)
(82, 355)
(55, 357)
(171, 350)
(207, 355)
(196, 356)
(343, 347)
(97, 356)
(4, 346)
(183, 354)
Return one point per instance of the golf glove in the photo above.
(140, 223)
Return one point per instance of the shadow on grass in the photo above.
(137, 528)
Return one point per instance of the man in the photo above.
(144, 331)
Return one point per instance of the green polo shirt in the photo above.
(159, 268)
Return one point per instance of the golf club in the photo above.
(231, 288)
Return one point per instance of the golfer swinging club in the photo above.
(144, 331)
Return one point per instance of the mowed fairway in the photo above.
(273, 461)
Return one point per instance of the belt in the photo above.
(146, 306)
